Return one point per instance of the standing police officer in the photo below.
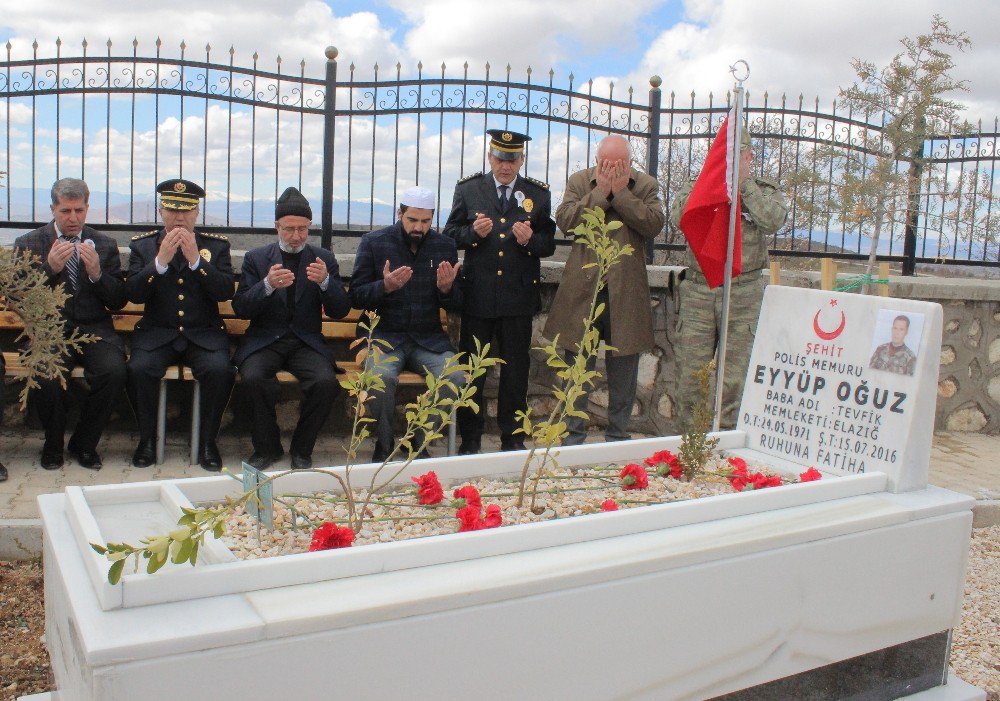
(503, 222)
(181, 276)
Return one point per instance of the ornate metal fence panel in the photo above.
(351, 137)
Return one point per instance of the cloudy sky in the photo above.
(794, 48)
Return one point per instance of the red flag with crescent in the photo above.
(705, 221)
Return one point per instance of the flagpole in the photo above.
(734, 212)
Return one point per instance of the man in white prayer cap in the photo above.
(406, 273)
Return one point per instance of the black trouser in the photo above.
(212, 368)
(104, 369)
(513, 341)
(316, 376)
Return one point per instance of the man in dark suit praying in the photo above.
(284, 289)
(86, 262)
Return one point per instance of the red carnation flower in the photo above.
(665, 462)
(738, 464)
(470, 497)
(493, 517)
(330, 536)
(810, 475)
(609, 505)
(469, 519)
(429, 488)
(634, 477)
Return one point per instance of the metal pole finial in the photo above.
(738, 68)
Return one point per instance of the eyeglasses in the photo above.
(294, 229)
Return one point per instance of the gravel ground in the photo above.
(24, 663)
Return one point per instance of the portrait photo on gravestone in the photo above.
(897, 335)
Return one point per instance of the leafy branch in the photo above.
(594, 231)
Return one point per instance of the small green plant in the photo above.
(424, 419)
(576, 377)
(696, 447)
(25, 290)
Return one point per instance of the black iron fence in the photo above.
(352, 137)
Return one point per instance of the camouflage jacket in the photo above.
(899, 360)
(764, 211)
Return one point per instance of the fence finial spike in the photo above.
(109, 43)
(529, 70)
(84, 43)
(487, 66)
(9, 45)
(159, 42)
(278, 59)
(34, 44)
(256, 56)
(331, 53)
(420, 65)
(443, 66)
(135, 42)
(232, 49)
(571, 77)
(183, 45)
(58, 42)
(208, 48)
(552, 72)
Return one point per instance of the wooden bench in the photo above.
(126, 319)
(345, 330)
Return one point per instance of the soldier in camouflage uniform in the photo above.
(895, 356)
(763, 211)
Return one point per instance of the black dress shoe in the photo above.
(262, 462)
(3, 473)
(52, 459)
(469, 448)
(511, 444)
(209, 458)
(380, 453)
(145, 453)
(301, 462)
(85, 458)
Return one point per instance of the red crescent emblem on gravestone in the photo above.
(829, 335)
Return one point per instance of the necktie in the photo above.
(503, 197)
(73, 262)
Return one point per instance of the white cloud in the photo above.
(521, 32)
(294, 30)
(806, 47)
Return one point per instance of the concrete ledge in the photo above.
(986, 513)
(20, 538)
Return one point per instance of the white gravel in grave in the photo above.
(242, 530)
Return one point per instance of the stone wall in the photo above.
(969, 380)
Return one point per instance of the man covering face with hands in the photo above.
(285, 288)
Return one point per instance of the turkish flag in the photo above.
(705, 222)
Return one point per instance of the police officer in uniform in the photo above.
(181, 276)
(503, 222)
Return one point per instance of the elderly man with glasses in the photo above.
(284, 289)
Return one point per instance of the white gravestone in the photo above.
(845, 383)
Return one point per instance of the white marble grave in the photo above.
(688, 600)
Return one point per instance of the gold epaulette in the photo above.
(539, 183)
(142, 236)
(212, 236)
(467, 178)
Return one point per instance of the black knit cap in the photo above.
(292, 203)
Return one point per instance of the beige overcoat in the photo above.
(640, 210)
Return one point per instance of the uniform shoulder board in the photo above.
(142, 236)
(539, 183)
(767, 181)
(213, 236)
(467, 178)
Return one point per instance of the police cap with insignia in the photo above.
(179, 194)
(507, 145)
